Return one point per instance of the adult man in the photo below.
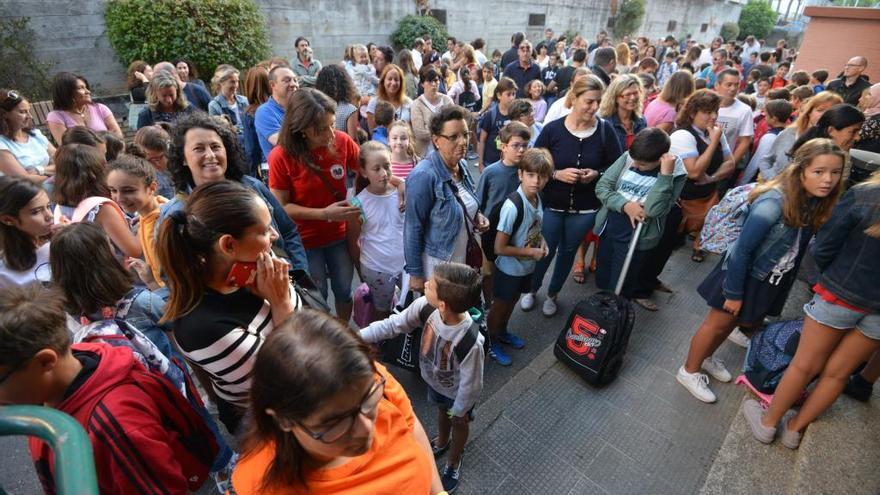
(548, 41)
(605, 61)
(450, 48)
(734, 116)
(719, 63)
(524, 70)
(563, 81)
(668, 45)
(429, 46)
(511, 55)
(853, 83)
(764, 66)
(304, 66)
(195, 94)
(600, 37)
(479, 45)
(707, 54)
(416, 52)
(270, 115)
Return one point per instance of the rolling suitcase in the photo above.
(594, 340)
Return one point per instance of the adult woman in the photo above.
(693, 56)
(25, 225)
(137, 78)
(24, 151)
(441, 210)
(72, 100)
(582, 146)
(391, 90)
(661, 111)
(187, 72)
(307, 172)
(624, 58)
(424, 108)
(622, 106)
(335, 82)
(257, 92)
(840, 123)
(165, 102)
(869, 139)
(218, 324)
(650, 52)
(410, 74)
(329, 419)
(228, 102)
(702, 147)
(562, 106)
(541, 57)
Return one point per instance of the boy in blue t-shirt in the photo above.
(383, 116)
(518, 249)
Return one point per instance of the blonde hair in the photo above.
(163, 80)
(368, 149)
(624, 56)
(221, 75)
(589, 83)
(410, 148)
(621, 83)
(358, 49)
(823, 98)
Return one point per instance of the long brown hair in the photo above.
(187, 238)
(796, 210)
(398, 99)
(18, 249)
(256, 88)
(80, 172)
(306, 108)
(677, 89)
(307, 360)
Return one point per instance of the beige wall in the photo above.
(835, 34)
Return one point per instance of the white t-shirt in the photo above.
(40, 272)
(417, 58)
(34, 153)
(381, 238)
(481, 59)
(556, 111)
(684, 145)
(736, 120)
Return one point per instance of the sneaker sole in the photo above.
(720, 379)
(695, 395)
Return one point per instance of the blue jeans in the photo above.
(564, 231)
(332, 261)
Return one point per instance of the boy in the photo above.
(777, 113)
(521, 110)
(817, 80)
(518, 245)
(454, 382)
(667, 68)
(145, 436)
(497, 182)
(762, 87)
(641, 186)
(383, 116)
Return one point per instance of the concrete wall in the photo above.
(74, 36)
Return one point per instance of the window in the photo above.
(537, 20)
(611, 21)
(704, 27)
(440, 15)
(671, 26)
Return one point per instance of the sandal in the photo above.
(577, 273)
(698, 256)
(647, 304)
(661, 287)
(437, 449)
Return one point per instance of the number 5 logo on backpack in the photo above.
(584, 337)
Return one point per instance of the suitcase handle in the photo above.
(629, 257)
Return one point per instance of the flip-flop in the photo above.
(647, 304)
(698, 256)
(437, 449)
(577, 273)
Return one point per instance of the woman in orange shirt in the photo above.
(327, 419)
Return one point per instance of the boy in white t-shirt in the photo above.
(734, 117)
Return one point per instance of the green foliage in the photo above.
(414, 26)
(22, 69)
(206, 32)
(757, 19)
(729, 31)
(629, 17)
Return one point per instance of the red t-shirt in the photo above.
(307, 189)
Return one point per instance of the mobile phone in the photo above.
(242, 274)
(354, 201)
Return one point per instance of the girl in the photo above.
(132, 183)
(493, 120)
(154, 142)
(753, 279)
(217, 323)
(82, 174)
(489, 85)
(25, 227)
(376, 239)
(535, 91)
(403, 153)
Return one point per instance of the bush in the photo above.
(729, 31)
(22, 70)
(414, 26)
(757, 19)
(206, 32)
(629, 17)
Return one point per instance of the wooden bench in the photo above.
(40, 111)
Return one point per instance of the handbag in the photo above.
(473, 253)
(307, 290)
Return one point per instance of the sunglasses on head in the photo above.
(12, 99)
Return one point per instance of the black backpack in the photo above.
(468, 101)
(488, 238)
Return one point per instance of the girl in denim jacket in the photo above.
(754, 278)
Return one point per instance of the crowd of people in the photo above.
(199, 249)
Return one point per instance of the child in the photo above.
(667, 68)
(154, 142)
(521, 110)
(383, 117)
(817, 80)
(496, 61)
(535, 91)
(799, 96)
(489, 85)
(144, 434)
(376, 239)
(518, 245)
(113, 145)
(453, 384)
(403, 153)
(641, 186)
(779, 80)
(776, 115)
(25, 227)
(363, 74)
(496, 183)
(762, 86)
(488, 150)
(132, 183)
(753, 279)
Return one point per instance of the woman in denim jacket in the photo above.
(435, 230)
(754, 278)
(228, 103)
(847, 297)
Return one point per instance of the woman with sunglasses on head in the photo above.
(327, 419)
(24, 151)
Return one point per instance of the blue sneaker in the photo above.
(501, 357)
(450, 476)
(511, 340)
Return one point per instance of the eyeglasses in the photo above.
(456, 137)
(368, 406)
(519, 147)
(853, 65)
(631, 94)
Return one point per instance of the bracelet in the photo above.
(553, 175)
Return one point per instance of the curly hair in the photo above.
(180, 172)
(335, 82)
(702, 100)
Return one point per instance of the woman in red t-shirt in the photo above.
(307, 172)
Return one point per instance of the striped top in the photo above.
(222, 336)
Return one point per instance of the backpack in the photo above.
(770, 352)
(488, 238)
(83, 209)
(724, 221)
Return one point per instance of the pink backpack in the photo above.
(83, 208)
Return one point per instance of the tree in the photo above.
(416, 26)
(757, 19)
(629, 17)
(729, 30)
(22, 69)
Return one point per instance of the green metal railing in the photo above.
(74, 462)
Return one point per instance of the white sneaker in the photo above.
(716, 369)
(738, 338)
(697, 384)
(528, 301)
(549, 308)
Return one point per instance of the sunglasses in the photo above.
(12, 99)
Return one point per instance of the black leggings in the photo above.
(655, 259)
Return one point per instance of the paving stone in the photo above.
(480, 473)
(539, 470)
(614, 472)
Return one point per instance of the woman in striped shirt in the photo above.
(220, 323)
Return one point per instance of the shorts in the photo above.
(509, 287)
(435, 397)
(841, 318)
(382, 285)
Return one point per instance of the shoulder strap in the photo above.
(467, 342)
(86, 205)
(326, 183)
(425, 313)
(517, 201)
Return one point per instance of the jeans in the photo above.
(564, 231)
(612, 254)
(332, 261)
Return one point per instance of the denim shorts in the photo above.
(435, 397)
(841, 318)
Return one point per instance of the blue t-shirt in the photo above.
(267, 121)
(496, 183)
(34, 153)
(527, 235)
(381, 134)
(492, 122)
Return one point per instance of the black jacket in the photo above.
(850, 94)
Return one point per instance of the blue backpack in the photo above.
(770, 352)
